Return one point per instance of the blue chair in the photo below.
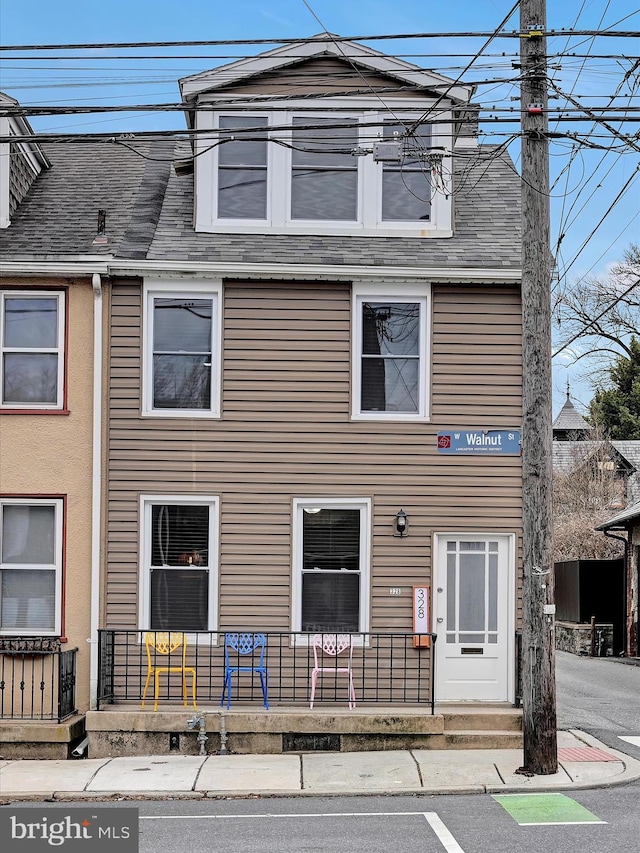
(237, 646)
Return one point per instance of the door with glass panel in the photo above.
(473, 609)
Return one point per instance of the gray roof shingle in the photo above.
(486, 232)
(59, 215)
(149, 213)
(569, 419)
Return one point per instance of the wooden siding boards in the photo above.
(319, 77)
(286, 432)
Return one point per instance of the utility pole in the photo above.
(538, 612)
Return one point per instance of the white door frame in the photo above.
(439, 577)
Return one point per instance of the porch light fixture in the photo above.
(400, 523)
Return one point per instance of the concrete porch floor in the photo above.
(122, 730)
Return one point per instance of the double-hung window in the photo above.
(312, 172)
(182, 349)
(178, 570)
(30, 566)
(32, 349)
(331, 565)
(390, 354)
(324, 173)
(406, 186)
(242, 168)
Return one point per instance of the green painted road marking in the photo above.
(541, 809)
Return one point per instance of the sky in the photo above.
(595, 193)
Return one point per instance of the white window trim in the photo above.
(393, 292)
(362, 504)
(278, 219)
(56, 566)
(198, 288)
(144, 569)
(60, 349)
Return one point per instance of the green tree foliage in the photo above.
(616, 409)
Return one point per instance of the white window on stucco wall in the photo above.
(31, 566)
(32, 349)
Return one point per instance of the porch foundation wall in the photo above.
(30, 739)
(131, 733)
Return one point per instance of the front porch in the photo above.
(393, 686)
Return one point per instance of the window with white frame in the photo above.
(178, 570)
(315, 173)
(242, 168)
(324, 172)
(32, 349)
(406, 186)
(30, 566)
(182, 349)
(331, 565)
(390, 352)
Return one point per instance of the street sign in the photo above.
(486, 442)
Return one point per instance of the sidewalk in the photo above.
(584, 762)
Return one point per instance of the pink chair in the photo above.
(332, 645)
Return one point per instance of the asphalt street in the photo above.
(600, 696)
(418, 824)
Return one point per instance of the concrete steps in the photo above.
(495, 727)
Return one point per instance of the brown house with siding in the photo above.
(312, 383)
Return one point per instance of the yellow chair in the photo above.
(165, 643)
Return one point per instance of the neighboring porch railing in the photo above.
(37, 684)
(389, 668)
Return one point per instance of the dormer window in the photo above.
(324, 172)
(242, 168)
(406, 186)
(310, 173)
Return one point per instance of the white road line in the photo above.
(634, 739)
(254, 816)
(444, 836)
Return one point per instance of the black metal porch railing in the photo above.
(37, 684)
(389, 668)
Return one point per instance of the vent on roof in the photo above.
(101, 236)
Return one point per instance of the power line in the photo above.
(510, 34)
(226, 105)
(619, 195)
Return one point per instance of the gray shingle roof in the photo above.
(58, 217)
(631, 513)
(567, 454)
(486, 232)
(569, 419)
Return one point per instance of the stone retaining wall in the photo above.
(575, 637)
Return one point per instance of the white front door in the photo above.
(473, 616)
